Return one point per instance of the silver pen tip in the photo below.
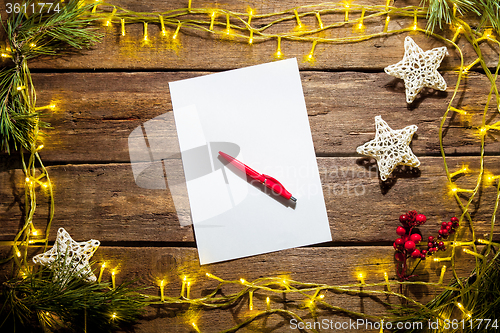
(293, 199)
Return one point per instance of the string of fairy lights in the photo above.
(245, 27)
(252, 28)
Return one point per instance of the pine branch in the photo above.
(441, 12)
(41, 300)
(29, 37)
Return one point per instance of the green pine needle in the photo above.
(29, 37)
(47, 301)
(440, 12)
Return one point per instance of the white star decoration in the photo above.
(76, 257)
(390, 147)
(418, 69)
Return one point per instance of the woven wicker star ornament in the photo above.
(418, 69)
(70, 256)
(390, 147)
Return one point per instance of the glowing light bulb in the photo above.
(477, 255)
(361, 277)
(321, 296)
(320, 23)
(278, 54)
(18, 253)
(346, 17)
(242, 281)
(441, 276)
(415, 17)
(162, 287)
(34, 232)
(146, 37)
(386, 278)
(27, 179)
(250, 300)
(113, 315)
(122, 22)
(183, 288)
(268, 303)
(387, 20)
(299, 26)
(310, 57)
(212, 20)
(103, 266)
(487, 34)
(32, 45)
(228, 25)
(52, 106)
(176, 31)
(195, 327)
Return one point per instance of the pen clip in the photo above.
(274, 180)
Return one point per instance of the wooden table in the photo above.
(105, 93)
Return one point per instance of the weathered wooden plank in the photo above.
(332, 266)
(103, 201)
(201, 51)
(96, 112)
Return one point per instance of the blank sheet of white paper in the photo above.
(257, 115)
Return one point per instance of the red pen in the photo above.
(268, 181)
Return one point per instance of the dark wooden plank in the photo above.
(201, 51)
(332, 266)
(96, 112)
(103, 201)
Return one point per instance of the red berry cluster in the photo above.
(447, 228)
(412, 219)
(406, 245)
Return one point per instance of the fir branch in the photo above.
(490, 14)
(441, 12)
(29, 37)
(39, 300)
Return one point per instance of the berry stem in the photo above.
(418, 263)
